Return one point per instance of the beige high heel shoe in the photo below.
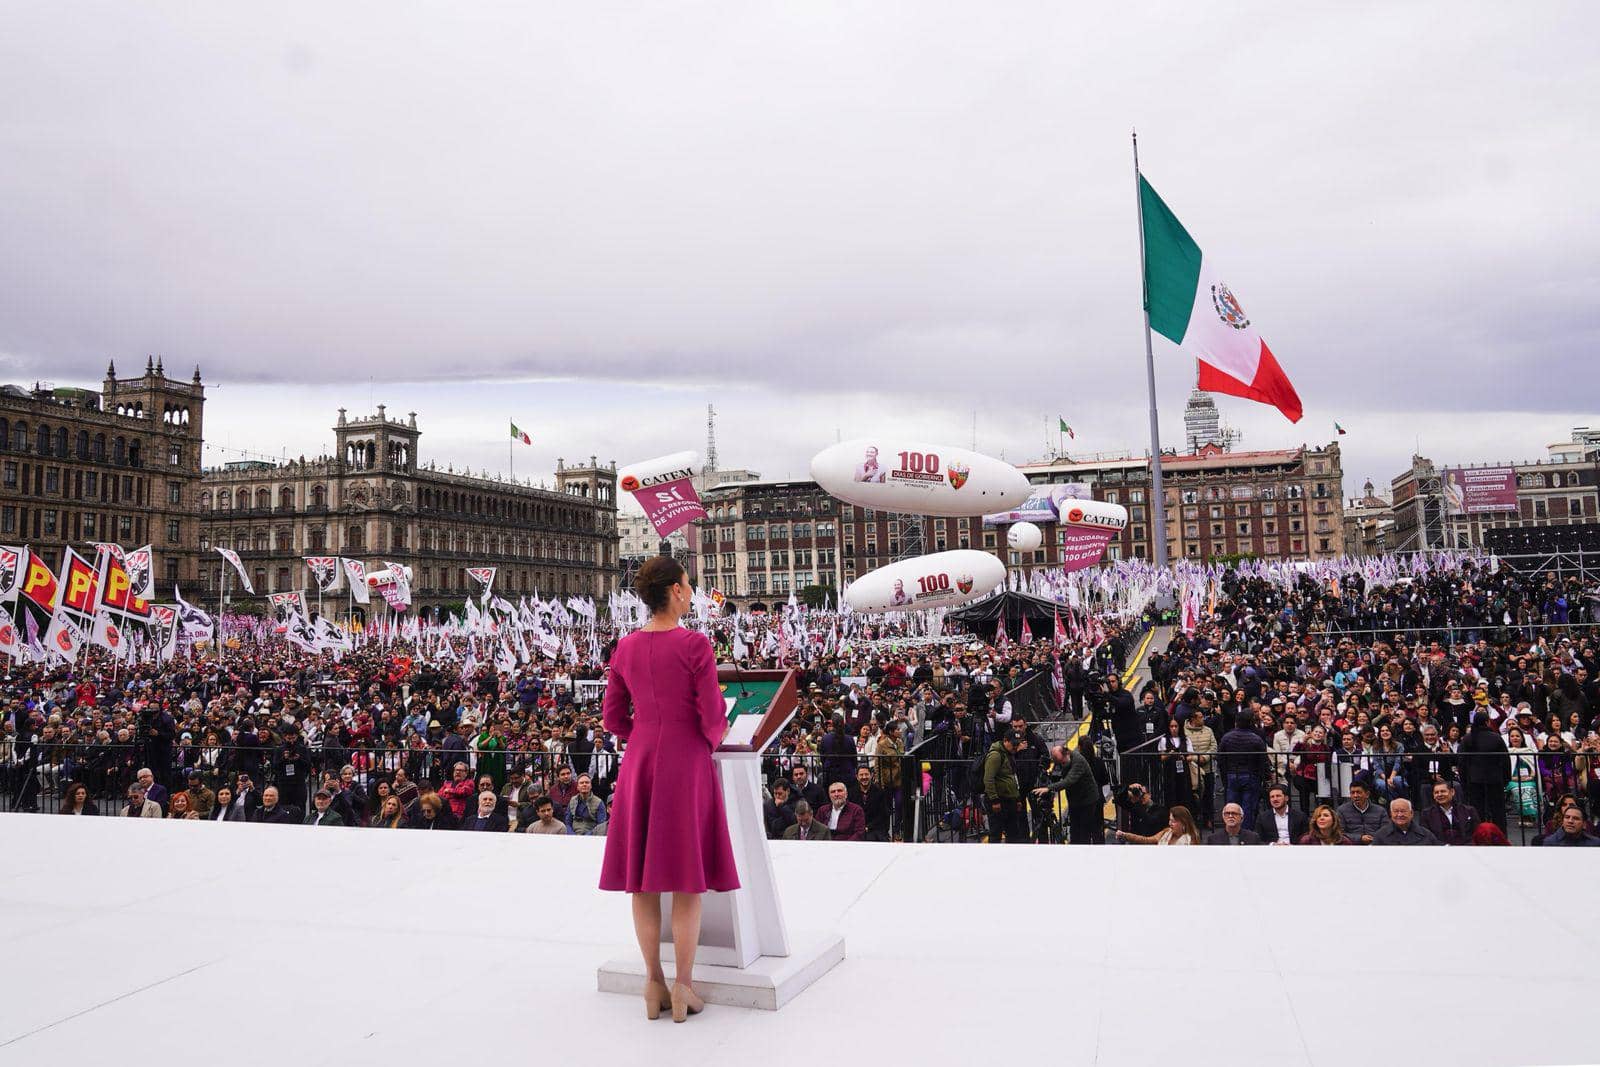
(685, 1002)
(656, 997)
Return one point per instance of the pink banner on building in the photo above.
(1477, 490)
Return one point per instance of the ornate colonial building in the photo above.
(374, 500)
(120, 465)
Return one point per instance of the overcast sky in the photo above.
(826, 219)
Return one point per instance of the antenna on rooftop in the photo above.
(711, 439)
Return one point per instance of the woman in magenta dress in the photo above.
(668, 832)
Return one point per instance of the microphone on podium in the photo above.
(738, 675)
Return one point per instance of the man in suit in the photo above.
(806, 827)
(874, 804)
(846, 821)
(271, 811)
(246, 801)
(1280, 825)
(1450, 822)
(138, 806)
(154, 791)
(1233, 831)
(1401, 829)
(487, 819)
(804, 788)
(322, 813)
(777, 813)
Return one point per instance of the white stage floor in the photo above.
(154, 941)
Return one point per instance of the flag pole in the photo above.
(1158, 502)
(222, 592)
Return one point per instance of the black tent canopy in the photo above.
(983, 617)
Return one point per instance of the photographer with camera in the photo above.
(1137, 813)
(1071, 776)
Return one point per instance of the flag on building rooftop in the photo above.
(518, 435)
(1065, 428)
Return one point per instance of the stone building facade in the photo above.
(762, 540)
(1560, 489)
(373, 499)
(1280, 504)
(122, 464)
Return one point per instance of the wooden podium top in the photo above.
(770, 695)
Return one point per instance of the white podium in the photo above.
(746, 957)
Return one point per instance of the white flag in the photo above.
(63, 639)
(108, 635)
(10, 640)
(233, 557)
(356, 573)
(165, 620)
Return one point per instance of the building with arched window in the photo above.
(122, 464)
(373, 499)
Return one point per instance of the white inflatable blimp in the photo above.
(662, 469)
(1094, 515)
(388, 576)
(1024, 537)
(940, 580)
(918, 478)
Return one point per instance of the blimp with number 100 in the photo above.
(938, 580)
(917, 478)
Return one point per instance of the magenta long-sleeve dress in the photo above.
(668, 830)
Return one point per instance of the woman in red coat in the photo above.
(669, 832)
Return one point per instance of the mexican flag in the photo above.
(1065, 428)
(1191, 305)
(518, 435)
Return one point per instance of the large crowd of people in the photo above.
(1410, 712)
(1456, 707)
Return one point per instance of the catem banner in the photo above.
(664, 488)
(1043, 506)
(1087, 526)
(1477, 490)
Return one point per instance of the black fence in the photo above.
(39, 783)
(1520, 792)
(916, 796)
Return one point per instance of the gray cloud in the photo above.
(910, 199)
